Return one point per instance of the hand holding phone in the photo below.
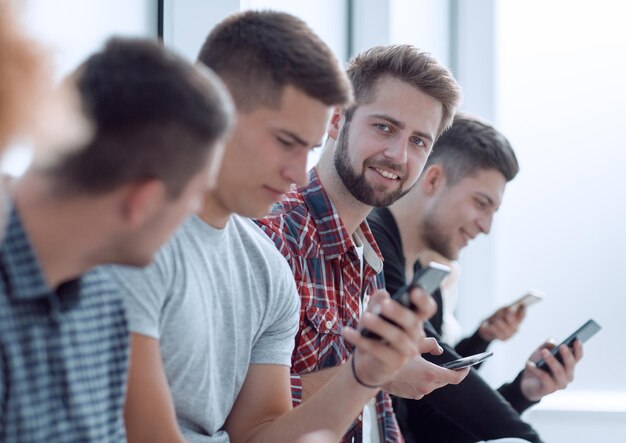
(428, 278)
(585, 332)
(529, 298)
(467, 361)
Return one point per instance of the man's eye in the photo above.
(418, 142)
(382, 127)
(481, 204)
(286, 143)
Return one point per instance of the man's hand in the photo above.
(378, 361)
(421, 377)
(503, 324)
(537, 383)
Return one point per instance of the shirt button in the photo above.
(372, 401)
(329, 324)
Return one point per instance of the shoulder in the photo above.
(292, 228)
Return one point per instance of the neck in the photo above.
(64, 233)
(214, 213)
(412, 243)
(351, 211)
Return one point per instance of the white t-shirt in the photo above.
(371, 433)
(217, 300)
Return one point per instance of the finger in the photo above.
(385, 354)
(569, 362)
(430, 345)
(405, 318)
(578, 350)
(546, 382)
(394, 336)
(376, 299)
(425, 304)
(458, 375)
(558, 371)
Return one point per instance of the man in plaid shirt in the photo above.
(374, 153)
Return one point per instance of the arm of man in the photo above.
(469, 411)
(149, 410)
(262, 411)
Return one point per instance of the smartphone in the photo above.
(428, 278)
(584, 333)
(467, 361)
(529, 298)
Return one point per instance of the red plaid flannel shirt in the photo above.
(309, 233)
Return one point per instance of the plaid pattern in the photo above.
(309, 233)
(63, 354)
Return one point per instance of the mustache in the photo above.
(388, 164)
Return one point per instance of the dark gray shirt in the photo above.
(63, 353)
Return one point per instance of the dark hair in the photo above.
(258, 53)
(471, 145)
(409, 64)
(155, 116)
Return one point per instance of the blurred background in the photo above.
(549, 75)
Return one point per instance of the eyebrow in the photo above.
(488, 198)
(401, 125)
(297, 139)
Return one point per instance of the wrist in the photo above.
(358, 379)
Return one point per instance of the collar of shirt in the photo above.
(22, 271)
(334, 238)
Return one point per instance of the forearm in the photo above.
(332, 406)
(314, 381)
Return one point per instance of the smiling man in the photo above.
(374, 153)
(454, 201)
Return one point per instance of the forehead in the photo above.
(407, 104)
(487, 182)
(296, 113)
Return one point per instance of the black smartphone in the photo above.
(467, 361)
(428, 278)
(584, 333)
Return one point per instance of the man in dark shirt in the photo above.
(454, 200)
(157, 122)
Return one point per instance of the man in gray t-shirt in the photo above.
(213, 320)
(212, 323)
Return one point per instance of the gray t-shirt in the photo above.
(217, 300)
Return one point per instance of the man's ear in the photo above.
(432, 179)
(335, 120)
(141, 201)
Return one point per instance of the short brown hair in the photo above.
(411, 65)
(258, 53)
(472, 145)
(156, 116)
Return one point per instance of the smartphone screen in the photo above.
(467, 361)
(584, 333)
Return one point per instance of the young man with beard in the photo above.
(214, 319)
(455, 200)
(375, 151)
(158, 123)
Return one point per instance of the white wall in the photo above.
(73, 29)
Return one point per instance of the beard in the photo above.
(357, 184)
(434, 238)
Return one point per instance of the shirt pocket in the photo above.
(321, 344)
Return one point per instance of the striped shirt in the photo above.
(63, 353)
(308, 231)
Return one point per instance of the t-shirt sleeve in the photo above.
(275, 344)
(145, 292)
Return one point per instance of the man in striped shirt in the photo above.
(63, 335)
